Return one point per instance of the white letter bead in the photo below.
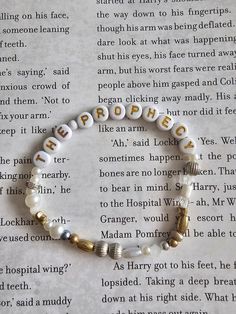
(51, 145)
(165, 122)
(32, 200)
(186, 190)
(179, 131)
(41, 159)
(150, 113)
(132, 251)
(100, 113)
(117, 112)
(85, 120)
(134, 111)
(63, 133)
(187, 146)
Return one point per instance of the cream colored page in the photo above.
(117, 181)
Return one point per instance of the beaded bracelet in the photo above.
(101, 113)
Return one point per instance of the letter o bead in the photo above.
(117, 112)
(165, 122)
(85, 120)
(63, 133)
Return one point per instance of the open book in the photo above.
(118, 181)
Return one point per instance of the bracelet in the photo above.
(101, 113)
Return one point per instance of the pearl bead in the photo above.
(32, 200)
(150, 113)
(35, 179)
(132, 251)
(41, 159)
(47, 225)
(117, 111)
(187, 146)
(63, 133)
(146, 250)
(165, 122)
(134, 111)
(186, 190)
(100, 113)
(51, 145)
(155, 250)
(179, 130)
(72, 124)
(56, 231)
(85, 120)
(36, 171)
(30, 191)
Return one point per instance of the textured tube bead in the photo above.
(132, 251)
(101, 248)
(182, 222)
(192, 168)
(85, 245)
(115, 250)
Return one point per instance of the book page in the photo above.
(118, 181)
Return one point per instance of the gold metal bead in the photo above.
(74, 238)
(173, 242)
(41, 217)
(182, 224)
(182, 211)
(85, 245)
(176, 236)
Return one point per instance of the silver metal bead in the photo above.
(115, 250)
(101, 248)
(192, 168)
(165, 245)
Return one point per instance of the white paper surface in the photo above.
(58, 59)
